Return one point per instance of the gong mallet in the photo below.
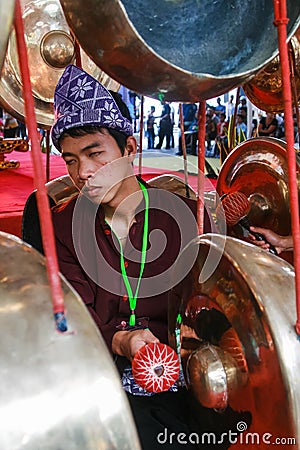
(236, 207)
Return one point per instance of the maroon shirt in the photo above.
(89, 258)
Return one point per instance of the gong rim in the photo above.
(6, 17)
(172, 183)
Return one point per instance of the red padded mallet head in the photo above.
(235, 206)
(155, 367)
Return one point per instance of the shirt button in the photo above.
(107, 231)
(125, 297)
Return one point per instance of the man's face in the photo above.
(95, 164)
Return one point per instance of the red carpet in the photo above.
(17, 184)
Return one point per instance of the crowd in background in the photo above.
(160, 125)
(159, 128)
(10, 127)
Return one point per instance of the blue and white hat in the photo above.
(79, 100)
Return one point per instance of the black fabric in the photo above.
(31, 231)
(159, 416)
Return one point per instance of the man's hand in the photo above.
(127, 343)
(281, 243)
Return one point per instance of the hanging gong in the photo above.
(6, 18)
(50, 48)
(258, 168)
(58, 390)
(265, 89)
(173, 50)
(238, 344)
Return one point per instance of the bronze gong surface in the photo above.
(173, 50)
(265, 89)
(258, 167)
(50, 49)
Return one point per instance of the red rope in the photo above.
(280, 22)
(48, 155)
(183, 147)
(141, 136)
(42, 197)
(201, 164)
(77, 52)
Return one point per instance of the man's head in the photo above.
(93, 132)
(81, 101)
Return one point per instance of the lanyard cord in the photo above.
(133, 298)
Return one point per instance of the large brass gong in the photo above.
(57, 390)
(182, 50)
(239, 347)
(50, 48)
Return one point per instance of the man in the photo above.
(189, 111)
(220, 108)
(150, 128)
(230, 106)
(210, 131)
(241, 128)
(118, 240)
(243, 109)
(165, 127)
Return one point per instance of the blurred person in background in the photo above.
(268, 125)
(10, 125)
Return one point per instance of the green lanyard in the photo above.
(133, 298)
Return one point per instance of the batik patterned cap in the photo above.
(79, 100)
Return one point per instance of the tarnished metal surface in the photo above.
(174, 50)
(258, 168)
(50, 49)
(6, 18)
(61, 189)
(265, 89)
(245, 307)
(172, 183)
(57, 390)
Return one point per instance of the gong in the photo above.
(167, 49)
(265, 89)
(239, 348)
(58, 390)
(50, 48)
(172, 183)
(258, 167)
